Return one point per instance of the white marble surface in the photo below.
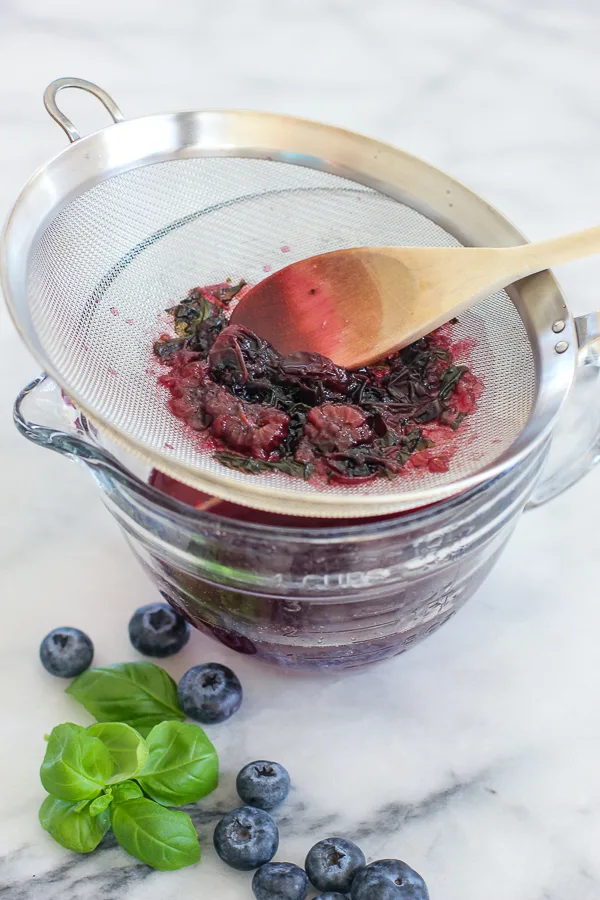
(475, 756)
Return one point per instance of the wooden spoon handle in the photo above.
(536, 257)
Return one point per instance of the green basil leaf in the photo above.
(139, 693)
(182, 767)
(162, 838)
(101, 803)
(126, 790)
(126, 746)
(83, 804)
(72, 829)
(76, 765)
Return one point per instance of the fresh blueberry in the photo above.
(158, 630)
(389, 879)
(331, 895)
(280, 881)
(332, 864)
(263, 784)
(246, 838)
(209, 693)
(66, 652)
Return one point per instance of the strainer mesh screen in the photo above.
(113, 259)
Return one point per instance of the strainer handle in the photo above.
(65, 123)
(575, 447)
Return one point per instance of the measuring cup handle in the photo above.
(41, 415)
(44, 416)
(80, 83)
(575, 447)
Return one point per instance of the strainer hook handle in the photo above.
(83, 85)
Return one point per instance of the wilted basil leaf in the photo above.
(257, 466)
(450, 379)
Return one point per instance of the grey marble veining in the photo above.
(475, 756)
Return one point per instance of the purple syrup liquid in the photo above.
(305, 604)
(206, 502)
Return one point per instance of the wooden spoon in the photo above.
(355, 306)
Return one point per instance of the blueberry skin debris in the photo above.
(332, 864)
(158, 630)
(280, 881)
(209, 693)
(389, 879)
(246, 838)
(263, 784)
(66, 652)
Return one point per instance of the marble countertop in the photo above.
(475, 756)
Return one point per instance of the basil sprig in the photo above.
(110, 775)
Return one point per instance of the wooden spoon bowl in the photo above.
(357, 305)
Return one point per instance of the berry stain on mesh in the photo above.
(300, 413)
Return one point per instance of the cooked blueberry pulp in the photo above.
(301, 414)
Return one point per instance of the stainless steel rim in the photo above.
(132, 144)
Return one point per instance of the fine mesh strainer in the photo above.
(123, 223)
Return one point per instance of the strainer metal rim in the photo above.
(193, 134)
